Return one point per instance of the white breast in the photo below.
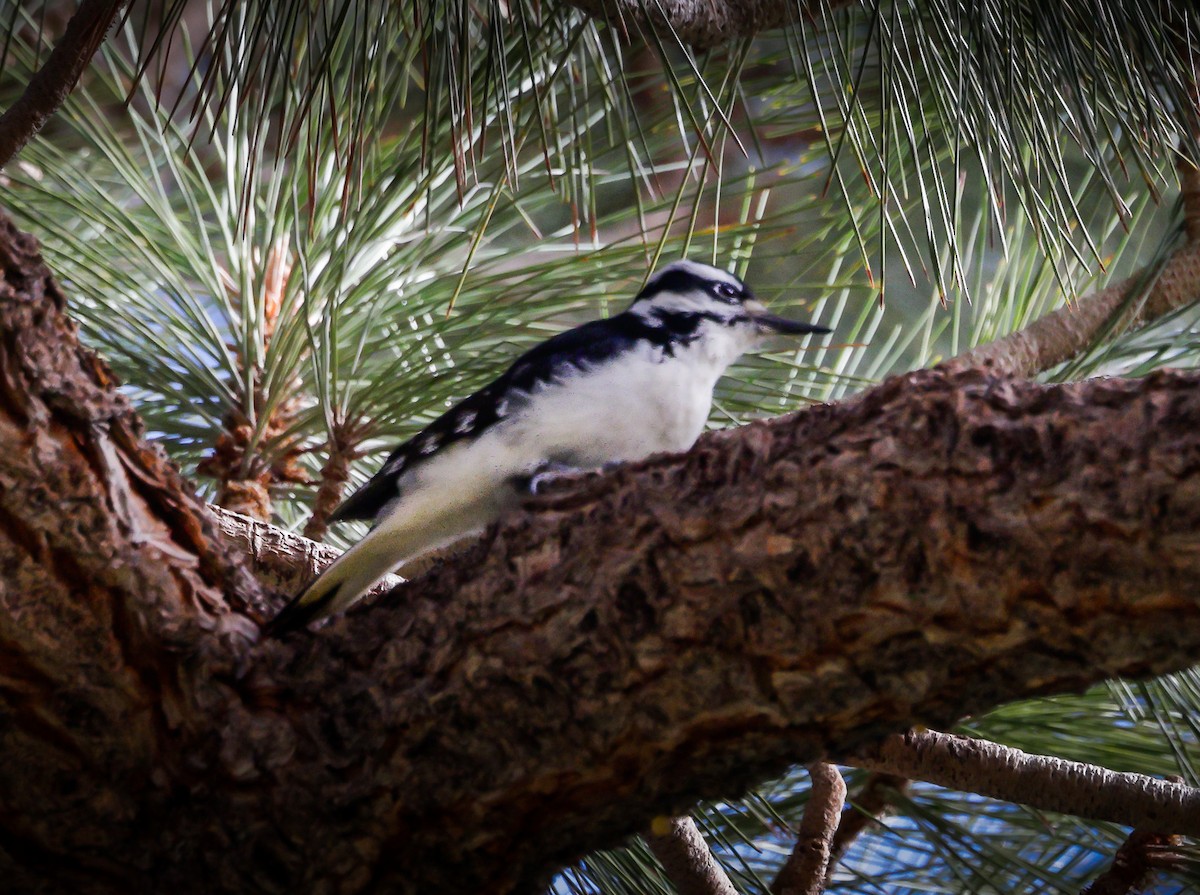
(636, 405)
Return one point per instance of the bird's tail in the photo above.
(413, 527)
(345, 580)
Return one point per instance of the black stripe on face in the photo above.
(683, 327)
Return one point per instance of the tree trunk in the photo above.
(681, 628)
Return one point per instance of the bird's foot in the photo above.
(541, 478)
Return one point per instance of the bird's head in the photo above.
(694, 289)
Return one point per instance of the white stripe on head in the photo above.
(688, 286)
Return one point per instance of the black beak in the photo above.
(770, 323)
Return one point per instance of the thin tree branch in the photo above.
(1139, 856)
(1040, 781)
(869, 804)
(685, 856)
(343, 450)
(807, 867)
(57, 78)
(1063, 333)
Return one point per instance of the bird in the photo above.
(612, 390)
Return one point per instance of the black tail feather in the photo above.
(292, 617)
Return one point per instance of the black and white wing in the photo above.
(558, 357)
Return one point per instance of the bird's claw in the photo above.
(540, 480)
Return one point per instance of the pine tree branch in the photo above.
(344, 440)
(1040, 781)
(55, 80)
(678, 629)
(806, 869)
(1065, 332)
(686, 858)
(702, 24)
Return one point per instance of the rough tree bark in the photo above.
(678, 629)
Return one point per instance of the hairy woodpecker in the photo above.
(607, 391)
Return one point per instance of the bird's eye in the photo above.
(728, 292)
